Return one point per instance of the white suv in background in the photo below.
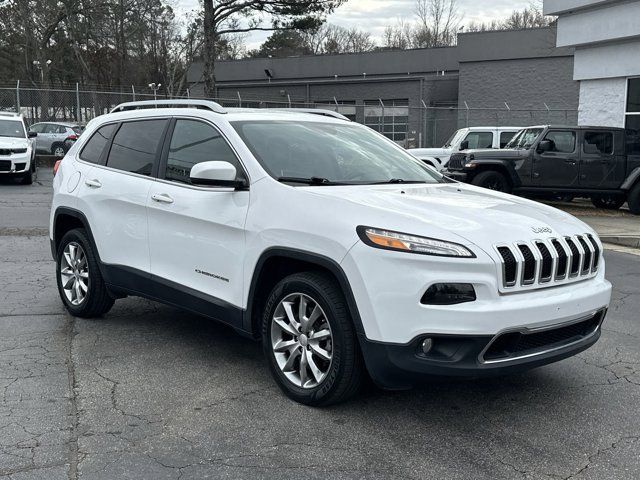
(464, 139)
(341, 252)
(17, 148)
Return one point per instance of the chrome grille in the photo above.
(544, 263)
(456, 161)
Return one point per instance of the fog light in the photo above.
(449, 294)
(427, 344)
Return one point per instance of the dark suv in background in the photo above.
(598, 162)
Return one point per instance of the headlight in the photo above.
(404, 242)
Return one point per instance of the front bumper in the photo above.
(455, 175)
(395, 366)
(16, 163)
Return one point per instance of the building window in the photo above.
(345, 107)
(632, 116)
(389, 117)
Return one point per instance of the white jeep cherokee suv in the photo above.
(342, 252)
(17, 148)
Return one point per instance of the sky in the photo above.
(374, 15)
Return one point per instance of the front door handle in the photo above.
(161, 198)
(93, 183)
(571, 161)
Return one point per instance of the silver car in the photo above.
(55, 138)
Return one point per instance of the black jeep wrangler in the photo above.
(598, 162)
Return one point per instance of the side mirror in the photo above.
(464, 145)
(32, 134)
(545, 146)
(216, 174)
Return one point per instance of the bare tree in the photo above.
(438, 23)
(222, 17)
(332, 39)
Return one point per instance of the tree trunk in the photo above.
(209, 49)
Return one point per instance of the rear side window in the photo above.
(505, 137)
(194, 142)
(135, 146)
(37, 127)
(562, 141)
(480, 139)
(92, 151)
(598, 143)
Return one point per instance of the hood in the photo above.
(497, 153)
(10, 142)
(457, 212)
(430, 152)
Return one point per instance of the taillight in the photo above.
(55, 167)
(72, 137)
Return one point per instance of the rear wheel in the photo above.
(634, 199)
(493, 181)
(309, 340)
(80, 282)
(608, 202)
(58, 150)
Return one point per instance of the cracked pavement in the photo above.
(151, 392)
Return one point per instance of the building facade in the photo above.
(417, 97)
(606, 38)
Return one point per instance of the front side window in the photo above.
(342, 153)
(93, 149)
(598, 143)
(632, 121)
(480, 139)
(135, 146)
(562, 141)
(194, 142)
(11, 128)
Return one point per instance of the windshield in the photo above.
(11, 128)
(330, 153)
(454, 139)
(524, 139)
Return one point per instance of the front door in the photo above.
(196, 234)
(558, 167)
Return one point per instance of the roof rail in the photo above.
(315, 111)
(176, 103)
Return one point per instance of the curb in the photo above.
(631, 241)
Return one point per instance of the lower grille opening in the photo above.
(5, 165)
(512, 345)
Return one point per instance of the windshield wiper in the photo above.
(397, 180)
(308, 181)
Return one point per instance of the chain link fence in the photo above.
(407, 124)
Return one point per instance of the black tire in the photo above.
(27, 178)
(345, 373)
(634, 199)
(493, 181)
(608, 202)
(97, 301)
(58, 150)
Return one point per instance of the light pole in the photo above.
(155, 89)
(38, 65)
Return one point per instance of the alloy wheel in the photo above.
(74, 273)
(58, 152)
(301, 340)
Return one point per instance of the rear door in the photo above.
(115, 190)
(559, 166)
(600, 167)
(196, 234)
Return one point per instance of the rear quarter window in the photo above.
(93, 150)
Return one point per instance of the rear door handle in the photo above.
(161, 198)
(93, 183)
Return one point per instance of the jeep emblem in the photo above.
(541, 230)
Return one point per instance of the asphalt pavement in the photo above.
(151, 392)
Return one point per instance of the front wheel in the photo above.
(309, 340)
(27, 178)
(493, 181)
(80, 282)
(608, 202)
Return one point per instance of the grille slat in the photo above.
(456, 161)
(544, 263)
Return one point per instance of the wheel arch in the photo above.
(632, 179)
(501, 166)
(66, 219)
(275, 264)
